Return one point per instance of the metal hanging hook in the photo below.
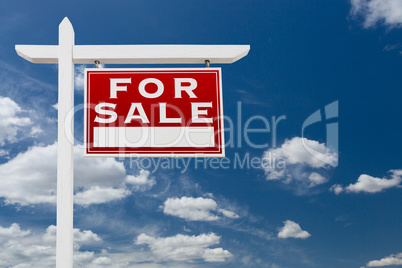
(207, 62)
(97, 64)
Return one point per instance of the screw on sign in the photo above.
(154, 112)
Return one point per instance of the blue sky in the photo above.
(323, 206)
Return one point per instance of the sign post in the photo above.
(66, 54)
(65, 150)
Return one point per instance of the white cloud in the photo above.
(10, 122)
(30, 178)
(142, 181)
(336, 188)
(17, 80)
(195, 209)
(294, 162)
(11, 232)
(228, 213)
(86, 237)
(21, 247)
(185, 248)
(28, 248)
(35, 96)
(79, 77)
(4, 152)
(103, 261)
(35, 131)
(292, 230)
(388, 12)
(192, 209)
(294, 152)
(83, 257)
(369, 184)
(216, 255)
(395, 259)
(316, 179)
(25, 248)
(98, 195)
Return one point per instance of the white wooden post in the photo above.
(65, 152)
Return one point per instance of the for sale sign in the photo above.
(154, 112)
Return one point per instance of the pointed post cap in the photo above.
(66, 25)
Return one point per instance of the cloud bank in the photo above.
(369, 184)
(373, 12)
(395, 259)
(10, 120)
(296, 165)
(30, 178)
(185, 248)
(24, 248)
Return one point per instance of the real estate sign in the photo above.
(154, 112)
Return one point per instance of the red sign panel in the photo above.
(154, 112)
